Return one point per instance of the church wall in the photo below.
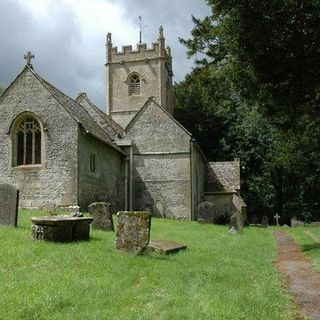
(162, 178)
(107, 182)
(55, 180)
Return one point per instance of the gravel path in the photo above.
(302, 281)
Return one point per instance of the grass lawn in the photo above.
(308, 238)
(219, 276)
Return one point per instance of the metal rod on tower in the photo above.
(140, 29)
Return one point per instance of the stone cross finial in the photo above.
(277, 219)
(28, 57)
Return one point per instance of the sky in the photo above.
(68, 37)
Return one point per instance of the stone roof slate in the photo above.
(113, 129)
(78, 112)
(223, 176)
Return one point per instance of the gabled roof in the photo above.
(113, 129)
(75, 110)
(145, 106)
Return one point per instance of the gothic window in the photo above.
(134, 85)
(27, 142)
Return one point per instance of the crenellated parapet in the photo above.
(139, 53)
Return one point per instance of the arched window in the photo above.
(27, 142)
(134, 84)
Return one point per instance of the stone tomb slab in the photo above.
(9, 200)
(165, 246)
(60, 228)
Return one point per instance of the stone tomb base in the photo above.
(60, 228)
(165, 246)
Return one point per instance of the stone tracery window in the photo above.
(134, 84)
(27, 142)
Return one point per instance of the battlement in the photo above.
(141, 51)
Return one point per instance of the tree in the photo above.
(264, 56)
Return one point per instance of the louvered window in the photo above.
(134, 85)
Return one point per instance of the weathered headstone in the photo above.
(296, 223)
(133, 231)
(237, 221)
(9, 202)
(233, 230)
(206, 211)
(159, 209)
(315, 224)
(50, 207)
(100, 212)
(255, 219)
(265, 221)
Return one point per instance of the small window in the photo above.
(27, 142)
(134, 85)
(92, 163)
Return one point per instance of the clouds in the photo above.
(68, 37)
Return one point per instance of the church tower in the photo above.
(135, 75)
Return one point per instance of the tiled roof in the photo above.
(79, 113)
(113, 129)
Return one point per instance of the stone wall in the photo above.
(162, 179)
(56, 178)
(107, 182)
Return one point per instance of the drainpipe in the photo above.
(126, 186)
(131, 176)
(192, 178)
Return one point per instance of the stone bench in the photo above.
(60, 228)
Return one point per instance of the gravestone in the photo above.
(277, 217)
(315, 224)
(296, 223)
(50, 207)
(100, 212)
(255, 219)
(265, 221)
(9, 202)
(133, 231)
(233, 231)
(206, 212)
(237, 221)
(159, 209)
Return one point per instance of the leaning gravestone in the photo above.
(133, 231)
(9, 201)
(237, 222)
(206, 212)
(100, 212)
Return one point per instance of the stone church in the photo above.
(56, 149)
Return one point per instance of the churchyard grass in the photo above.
(219, 276)
(308, 239)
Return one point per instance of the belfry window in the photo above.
(27, 142)
(134, 85)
